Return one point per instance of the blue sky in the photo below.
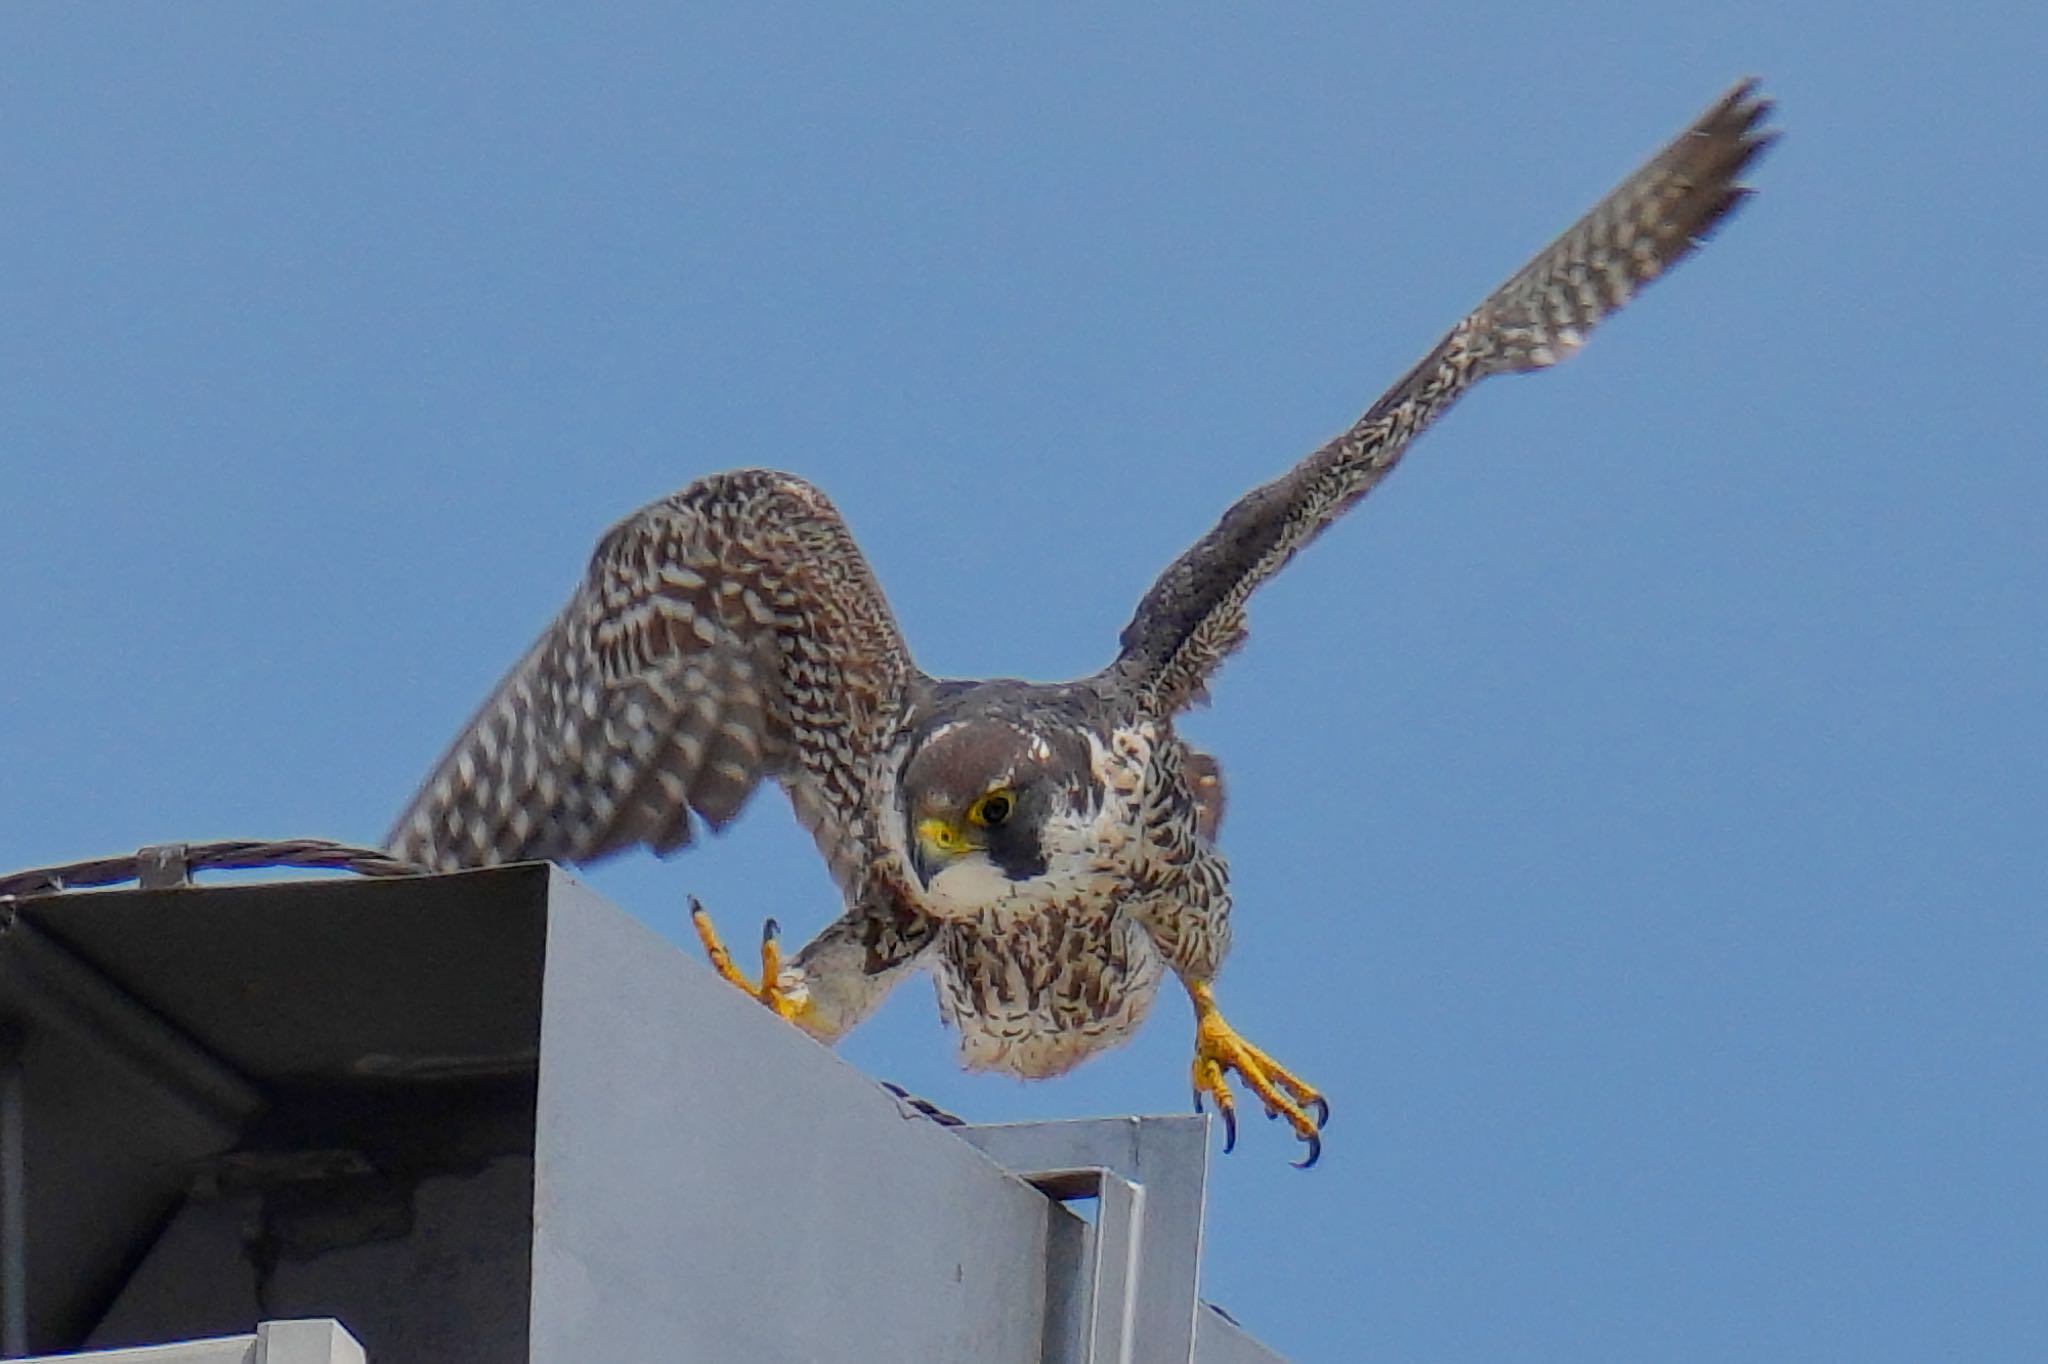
(1637, 805)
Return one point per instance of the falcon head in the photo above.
(991, 804)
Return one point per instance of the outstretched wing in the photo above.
(1194, 614)
(729, 632)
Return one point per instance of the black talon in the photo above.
(696, 906)
(1315, 1153)
(1229, 1130)
(1322, 1107)
(770, 931)
(1198, 1101)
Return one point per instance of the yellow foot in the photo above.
(1219, 1050)
(770, 990)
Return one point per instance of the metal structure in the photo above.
(490, 1117)
(272, 1342)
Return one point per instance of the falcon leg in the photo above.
(771, 991)
(1219, 1050)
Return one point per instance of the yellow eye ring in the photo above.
(993, 808)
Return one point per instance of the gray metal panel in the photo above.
(105, 1110)
(1219, 1340)
(435, 1272)
(158, 1023)
(715, 1186)
(274, 1342)
(13, 1195)
(215, 1350)
(686, 1177)
(306, 1342)
(1168, 1157)
(326, 978)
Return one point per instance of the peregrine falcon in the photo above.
(1047, 851)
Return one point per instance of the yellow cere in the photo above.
(942, 835)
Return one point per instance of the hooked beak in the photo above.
(933, 846)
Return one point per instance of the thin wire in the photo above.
(179, 859)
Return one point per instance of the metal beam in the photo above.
(1151, 1176)
(47, 985)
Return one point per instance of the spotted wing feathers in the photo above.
(730, 632)
(1644, 226)
(1193, 616)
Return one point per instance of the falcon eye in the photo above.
(992, 809)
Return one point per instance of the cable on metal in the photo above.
(165, 865)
